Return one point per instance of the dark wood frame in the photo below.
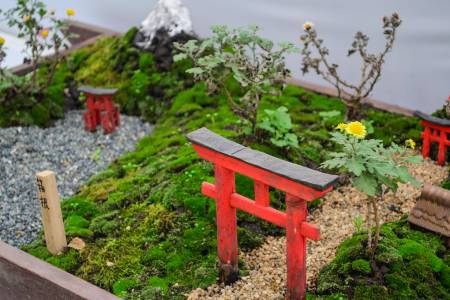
(23, 276)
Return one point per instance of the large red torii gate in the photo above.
(301, 185)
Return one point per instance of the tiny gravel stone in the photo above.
(67, 149)
(335, 216)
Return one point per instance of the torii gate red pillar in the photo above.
(300, 184)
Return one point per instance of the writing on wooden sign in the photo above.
(41, 194)
(52, 220)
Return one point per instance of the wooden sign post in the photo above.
(55, 237)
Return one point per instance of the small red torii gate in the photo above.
(435, 130)
(100, 109)
(301, 185)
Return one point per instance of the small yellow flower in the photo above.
(2, 41)
(410, 143)
(26, 18)
(356, 129)
(44, 33)
(341, 126)
(308, 26)
(70, 12)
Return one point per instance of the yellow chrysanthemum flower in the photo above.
(356, 129)
(341, 126)
(308, 26)
(70, 12)
(2, 41)
(44, 33)
(26, 18)
(410, 143)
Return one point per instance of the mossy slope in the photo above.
(414, 265)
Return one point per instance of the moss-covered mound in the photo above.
(414, 265)
(149, 232)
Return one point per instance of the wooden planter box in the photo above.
(23, 276)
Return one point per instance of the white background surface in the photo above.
(416, 74)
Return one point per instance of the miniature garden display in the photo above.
(137, 209)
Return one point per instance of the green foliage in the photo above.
(371, 164)
(35, 98)
(241, 54)
(413, 262)
(278, 123)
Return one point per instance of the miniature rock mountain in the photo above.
(168, 22)
(432, 210)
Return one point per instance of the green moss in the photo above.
(412, 260)
(77, 226)
(361, 266)
(78, 206)
(122, 286)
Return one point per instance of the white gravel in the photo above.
(67, 149)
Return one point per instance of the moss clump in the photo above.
(361, 266)
(412, 264)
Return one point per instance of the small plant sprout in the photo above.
(358, 223)
(316, 57)
(254, 63)
(374, 169)
(96, 155)
(278, 124)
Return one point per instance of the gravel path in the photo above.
(267, 264)
(67, 149)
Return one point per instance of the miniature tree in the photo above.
(42, 31)
(351, 94)
(374, 170)
(251, 60)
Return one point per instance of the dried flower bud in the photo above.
(26, 19)
(308, 26)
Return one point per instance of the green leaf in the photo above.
(366, 184)
(195, 71)
(355, 166)
(414, 159)
(390, 183)
(405, 177)
(179, 56)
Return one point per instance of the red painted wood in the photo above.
(274, 180)
(243, 203)
(101, 110)
(310, 231)
(262, 196)
(296, 248)
(294, 219)
(227, 246)
(442, 148)
(426, 142)
(435, 133)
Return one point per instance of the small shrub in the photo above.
(278, 123)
